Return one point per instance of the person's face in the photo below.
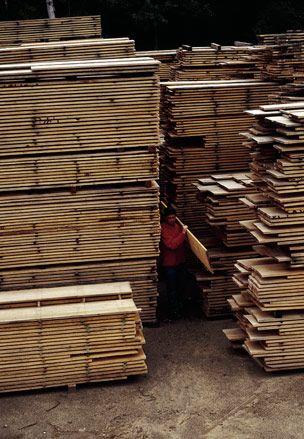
(171, 219)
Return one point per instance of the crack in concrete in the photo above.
(235, 410)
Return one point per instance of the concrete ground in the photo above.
(197, 387)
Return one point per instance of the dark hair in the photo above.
(169, 211)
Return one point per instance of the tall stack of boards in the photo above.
(56, 29)
(202, 124)
(220, 195)
(217, 62)
(284, 58)
(89, 49)
(69, 335)
(167, 59)
(270, 308)
(78, 197)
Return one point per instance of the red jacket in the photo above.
(172, 245)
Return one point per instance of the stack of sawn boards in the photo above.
(69, 335)
(78, 159)
(203, 122)
(67, 50)
(167, 59)
(270, 308)
(43, 30)
(220, 195)
(217, 63)
(284, 58)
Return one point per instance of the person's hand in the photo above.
(185, 228)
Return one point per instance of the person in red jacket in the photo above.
(172, 254)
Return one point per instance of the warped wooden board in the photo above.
(197, 248)
(56, 29)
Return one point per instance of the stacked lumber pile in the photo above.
(217, 63)
(203, 121)
(220, 195)
(79, 159)
(218, 287)
(285, 56)
(288, 93)
(67, 336)
(270, 308)
(43, 30)
(167, 60)
(67, 50)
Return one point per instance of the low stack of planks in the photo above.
(44, 30)
(68, 336)
(167, 59)
(203, 121)
(79, 159)
(220, 195)
(217, 63)
(67, 50)
(270, 308)
(284, 59)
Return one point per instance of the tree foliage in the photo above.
(170, 23)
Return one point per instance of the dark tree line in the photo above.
(170, 23)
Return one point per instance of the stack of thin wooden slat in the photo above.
(218, 287)
(167, 60)
(217, 63)
(208, 115)
(70, 335)
(183, 162)
(288, 93)
(43, 30)
(285, 57)
(220, 193)
(141, 273)
(79, 158)
(67, 50)
(219, 196)
(278, 170)
(102, 224)
(270, 308)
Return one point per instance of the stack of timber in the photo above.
(68, 336)
(217, 288)
(285, 55)
(288, 93)
(183, 162)
(44, 30)
(167, 60)
(220, 195)
(67, 50)
(270, 308)
(79, 161)
(281, 180)
(203, 122)
(217, 63)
